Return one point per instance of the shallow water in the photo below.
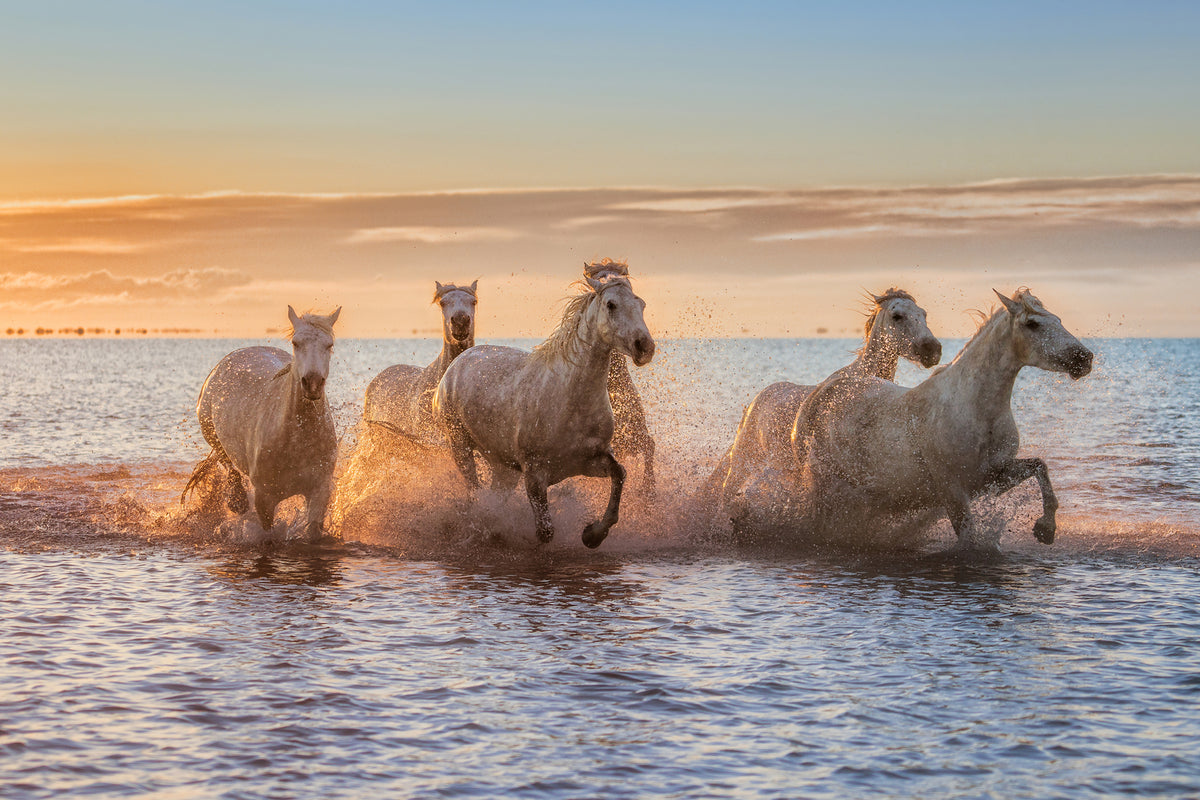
(144, 656)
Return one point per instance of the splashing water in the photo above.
(437, 650)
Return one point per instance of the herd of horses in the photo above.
(819, 458)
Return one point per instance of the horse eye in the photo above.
(612, 306)
(897, 317)
(1032, 324)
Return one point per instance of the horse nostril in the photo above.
(312, 384)
(1080, 362)
(643, 349)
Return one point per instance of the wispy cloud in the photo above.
(431, 235)
(328, 249)
(99, 247)
(40, 290)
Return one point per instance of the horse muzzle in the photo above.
(313, 386)
(929, 353)
(461, 327)
(643, 351)
(1079, 362)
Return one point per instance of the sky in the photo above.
(760, 165)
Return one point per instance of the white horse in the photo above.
(546, 415)
(631, 434)
(400, 398)
(264, 413)
(871, 447)
(895, 328)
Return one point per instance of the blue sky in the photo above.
(390, 106)
(182, 97)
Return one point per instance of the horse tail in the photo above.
(200, 473)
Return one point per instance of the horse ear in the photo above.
(878, 298)
(1013, 306)
(474, 285)
(437, 287)
(592, 282)
(293, 317)
(333, 318)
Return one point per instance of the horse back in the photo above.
(394, 396)
(232, 396)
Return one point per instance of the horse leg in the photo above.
(958, 509)
(463, 451)
(264, 507)
(315, 506)
(535, 488)
(605, 465)
(1017, 472)
(235, 490)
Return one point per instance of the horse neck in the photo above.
(879, 354)
(983, 374)
(295, 408)
(452, 349)
(588, 367)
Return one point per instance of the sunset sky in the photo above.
(758, 164)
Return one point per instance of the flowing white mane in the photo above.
(565, 341)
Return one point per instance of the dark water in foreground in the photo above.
(142, 656)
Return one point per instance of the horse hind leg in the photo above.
(596, 532)
(235, 491)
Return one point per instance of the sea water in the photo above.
(436, 650)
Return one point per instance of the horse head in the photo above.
(617, 318)
(458, 311)
(901, 321)
(312, 346)
(1039, 338)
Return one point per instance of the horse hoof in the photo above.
(593, 535)
(1043, 530)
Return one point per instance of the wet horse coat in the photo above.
(871, 447)
(400, 398)
(265, 415)
(546, 415)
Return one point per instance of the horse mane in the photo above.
(876, 303)
(444, 289)
(593, 268)
(564, 340)
(317, 321)
(989, 319)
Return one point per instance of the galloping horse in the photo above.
(546, 415)
(631, 435)
(870, 446)
(894, 329)
(401, 397)
(265, 415)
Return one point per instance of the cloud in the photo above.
(431, 235)
(99, 247)
(33, 290)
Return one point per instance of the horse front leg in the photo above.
(535, 488)
(1017, 472)
(605, 465)
(264, 507)
(958, 509)
(315, 506)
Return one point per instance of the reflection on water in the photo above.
(345, 675)
(437, 651)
